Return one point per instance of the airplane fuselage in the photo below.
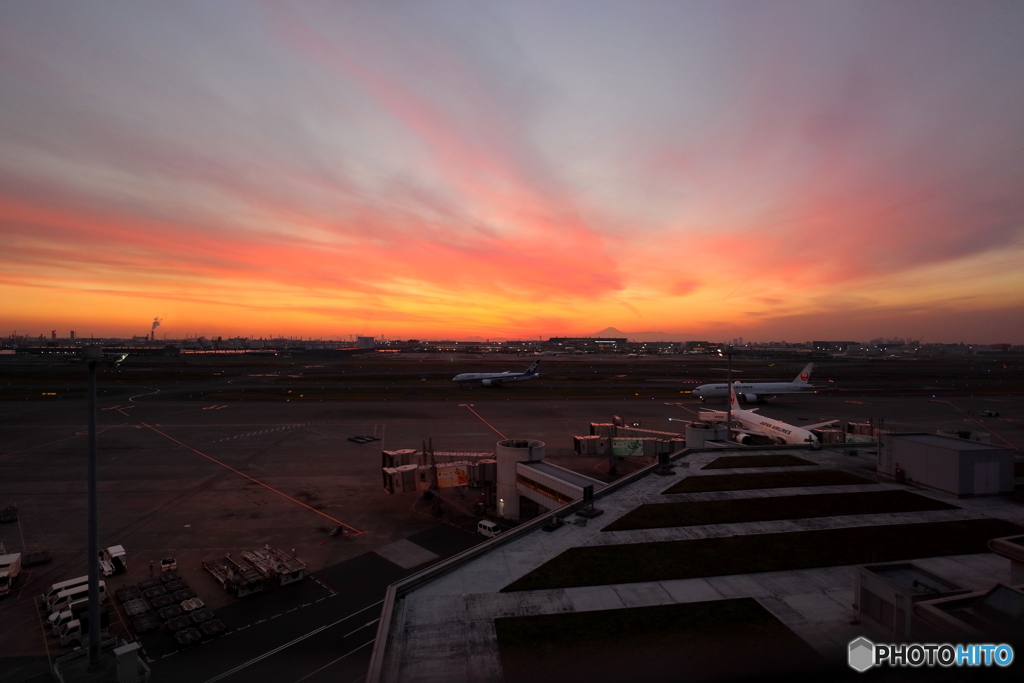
(779, 432)
(755, 388)
(498, 378)
(747, 422)
(752, 392)
(492, 376)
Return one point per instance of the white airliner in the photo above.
(497, 378)
(114, 358)
(752, 392)
(748, 422)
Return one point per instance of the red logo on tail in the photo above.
(804, 376)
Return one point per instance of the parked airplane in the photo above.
(497, 378)
(754, 392)
(747, 423)
(108, 358)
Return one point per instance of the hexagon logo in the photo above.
(861, 654)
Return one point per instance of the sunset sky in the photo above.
(771, 170)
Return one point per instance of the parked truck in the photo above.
(76, 631)
(113, 560)
(74, 611)
(10, 566)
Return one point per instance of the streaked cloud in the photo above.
(512, 170)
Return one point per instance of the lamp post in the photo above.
(93, 356)
(728, 391)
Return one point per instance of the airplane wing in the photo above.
(820, 424)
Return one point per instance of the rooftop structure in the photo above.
(992, 615)
(679, 575)
(955, 466)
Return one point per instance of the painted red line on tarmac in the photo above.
(470, 409)
(255, 481)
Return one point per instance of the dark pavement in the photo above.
(320, 630)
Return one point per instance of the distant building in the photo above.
(604, 344)
(833, 346)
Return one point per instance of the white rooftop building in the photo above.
(670, 550)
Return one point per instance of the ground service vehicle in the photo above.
(10, 565)
(64, 599)
(486, 527)
(34, 557)
(239, 577)
(63, 585)
(76, 631)
(113, 560)
(74, 611)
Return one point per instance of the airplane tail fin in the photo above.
(732, 397)
(532, 370)
(805, 375)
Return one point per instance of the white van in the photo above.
(65, 598)
(486, 527)
(62, 586)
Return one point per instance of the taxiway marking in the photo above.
(469, 407)
(254, 480)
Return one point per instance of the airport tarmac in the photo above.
(201, 457)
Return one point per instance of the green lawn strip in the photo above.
(734, 461)
(691, 513)
(715, 640)
(765, 480)
(666, 560)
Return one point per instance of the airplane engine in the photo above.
(750, 398)
(486, 382)
(742, 438)
(780, 441)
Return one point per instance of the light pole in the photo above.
(728, 391)
(93, 356)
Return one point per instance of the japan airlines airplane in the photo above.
(752, 392)
(497, 378)
(748, 422)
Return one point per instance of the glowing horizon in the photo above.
(782, 171)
